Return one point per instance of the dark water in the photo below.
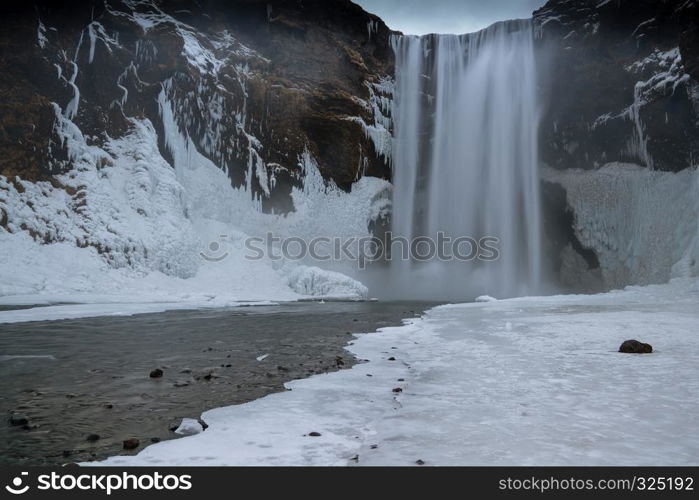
(72, 378)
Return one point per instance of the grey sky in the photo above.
(419, 17)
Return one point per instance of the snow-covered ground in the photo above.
(527, 381)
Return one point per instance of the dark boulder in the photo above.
(635, 347)
(131, 444)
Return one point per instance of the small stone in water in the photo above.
(18, 420)
(131, 444)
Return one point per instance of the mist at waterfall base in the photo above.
(465, 162)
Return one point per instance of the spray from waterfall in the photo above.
(465, 159)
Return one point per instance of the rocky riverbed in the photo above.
(76, 390)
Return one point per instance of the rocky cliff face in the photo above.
(252, 84)
(620, 84)
(137, 93)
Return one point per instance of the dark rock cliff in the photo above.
(252, 83)
(621, 82)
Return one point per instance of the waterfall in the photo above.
(465, 158)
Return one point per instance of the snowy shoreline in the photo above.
(50, 310)
(526, 381)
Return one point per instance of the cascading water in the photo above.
(465, 159)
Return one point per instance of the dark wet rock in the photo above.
(314, 434)
(635, 347)
(374, 446)
(391, 358)
(397, 389)
(131, 444)
(282, 368)
(419, 461)
(92, 438)
(66, 453)
(157, 373)
(401, 380)
(108, 406)
(18, 420)
(155, 440)
(203, 424)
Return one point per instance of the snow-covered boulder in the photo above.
(317, 282)
(189, 427)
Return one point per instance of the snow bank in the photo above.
(530, 381)
(316, 282)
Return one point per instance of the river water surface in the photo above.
(73, 378)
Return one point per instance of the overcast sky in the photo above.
(419, 17)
